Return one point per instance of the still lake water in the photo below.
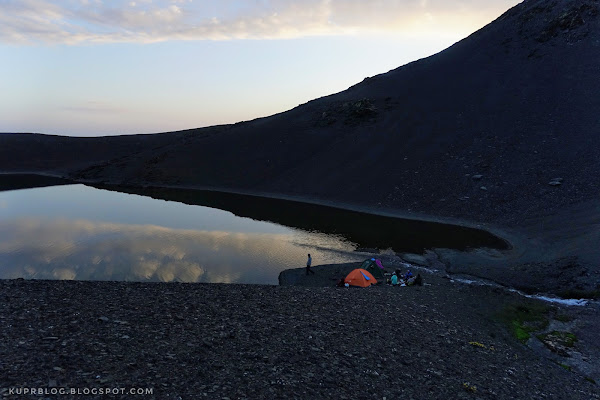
(79, 232)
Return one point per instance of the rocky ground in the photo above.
(188, 341)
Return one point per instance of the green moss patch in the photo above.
(520, 332)
(565, 366)
(525, 318)
(587, 378)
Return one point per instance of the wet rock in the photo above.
(415, 259)
(559, 342)
(556, 182)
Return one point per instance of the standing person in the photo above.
(308, 264)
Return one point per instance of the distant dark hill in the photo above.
(478, 132)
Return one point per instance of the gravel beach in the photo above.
(218, 341)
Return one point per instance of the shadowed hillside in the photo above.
(502, 129)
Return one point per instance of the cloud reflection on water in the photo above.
(43, 248)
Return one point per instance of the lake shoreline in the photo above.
(254, 341)
(537, 250)
(531, 264)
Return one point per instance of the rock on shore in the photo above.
(189, 341)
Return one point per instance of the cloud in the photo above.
(86, 250)
(95, 107)
(144, 21)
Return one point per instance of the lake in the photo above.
(86, 233)
(79, 232)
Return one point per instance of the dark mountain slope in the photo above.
(517, 102)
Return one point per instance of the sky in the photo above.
(99, 67)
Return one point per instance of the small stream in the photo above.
(476, 281)
(543, 297)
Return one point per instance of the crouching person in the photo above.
(394, 279)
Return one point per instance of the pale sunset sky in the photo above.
(99, 67)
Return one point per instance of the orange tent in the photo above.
(360, 277)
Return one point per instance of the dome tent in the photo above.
(360, 277)
(374, 266)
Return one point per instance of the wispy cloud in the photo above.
(95, 21)
(81, 249)
(95, 107)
